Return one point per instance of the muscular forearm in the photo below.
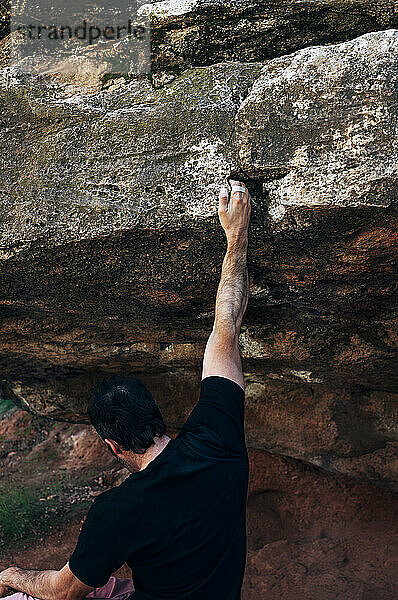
(232, 293)
(222, 353)
(39, 584)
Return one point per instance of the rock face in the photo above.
(328, 113)
(189, 33)
(111, 249)
(198, 32)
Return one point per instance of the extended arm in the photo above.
(222, 356)
(46, 585)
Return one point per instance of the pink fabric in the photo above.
(119, 589)
(115, 588)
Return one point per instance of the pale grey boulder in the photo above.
(326, 117)
(77, 164)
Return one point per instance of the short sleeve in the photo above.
(100, 548)
(219, 413)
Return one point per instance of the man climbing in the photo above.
(179, 519)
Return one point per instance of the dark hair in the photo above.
(123, 410)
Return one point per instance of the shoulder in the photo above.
(111, 508)
(112, 496)
(218, 417)
(223, 384)
(219, 390)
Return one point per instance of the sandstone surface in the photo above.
(111, 250)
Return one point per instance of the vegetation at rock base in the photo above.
(27, 511)
(5, 405)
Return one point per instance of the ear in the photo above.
(113, 446)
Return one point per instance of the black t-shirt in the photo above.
(180, 523)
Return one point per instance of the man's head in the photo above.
(125, 415)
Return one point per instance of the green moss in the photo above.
(4, 18)
(5, 405)
(26, 510)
